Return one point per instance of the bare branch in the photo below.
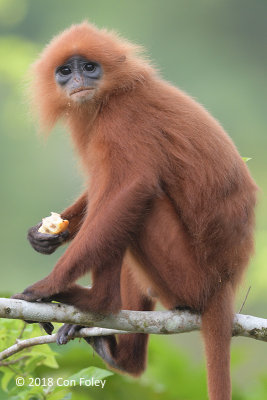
(155, 322)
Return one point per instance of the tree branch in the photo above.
(155, 322)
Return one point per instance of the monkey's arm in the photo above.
(75, 214)
(111, 222)
(47, 244)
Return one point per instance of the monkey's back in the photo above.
(204, 177)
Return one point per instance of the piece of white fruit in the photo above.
(54, 224)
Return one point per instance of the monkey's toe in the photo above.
(67, 333)
(48, 327)
(24, 296)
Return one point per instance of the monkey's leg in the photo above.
(178, 280)
(126, 353)
(112, 219)
(103, 297)
(165, 250)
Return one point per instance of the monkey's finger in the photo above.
(46, 243)
(41, 243)
(44, 249)
(47, 246)
(35, 236)
(34, 229)
(54, 239)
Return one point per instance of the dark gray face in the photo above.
(79, 78)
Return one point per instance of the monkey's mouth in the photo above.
(82, 94)
(82, 90)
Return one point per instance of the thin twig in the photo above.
(22, 330)
(244, 302)
(27, 343)
(11, 362)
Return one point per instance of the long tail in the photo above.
(217, 332)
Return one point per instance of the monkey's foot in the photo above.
(67, 333)
(47, 326)
(104, 346)
(41, 290)
(24, 296)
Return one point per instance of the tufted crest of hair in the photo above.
(122, 63)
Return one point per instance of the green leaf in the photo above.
(8, 375)
(9, 332)
(48, 354)
(59, 394)
(246, 159)
(27, 393)
(90, 373)
(33, 362)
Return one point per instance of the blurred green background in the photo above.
(213, 49)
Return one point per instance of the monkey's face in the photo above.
(78, 78)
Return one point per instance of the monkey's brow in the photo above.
(76, 57)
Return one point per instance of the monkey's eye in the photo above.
(64, 70)
(89, 67)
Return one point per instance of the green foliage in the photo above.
(80, 374)
(86, 373)
(23, 366)
(27, 360)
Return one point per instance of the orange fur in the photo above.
(166, 183)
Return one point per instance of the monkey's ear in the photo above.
(121, 59)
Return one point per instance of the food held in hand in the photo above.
(54, 224)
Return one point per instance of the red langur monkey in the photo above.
(169, 210)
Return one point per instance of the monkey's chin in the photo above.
(82, 95)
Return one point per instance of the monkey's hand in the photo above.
(45, 243)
